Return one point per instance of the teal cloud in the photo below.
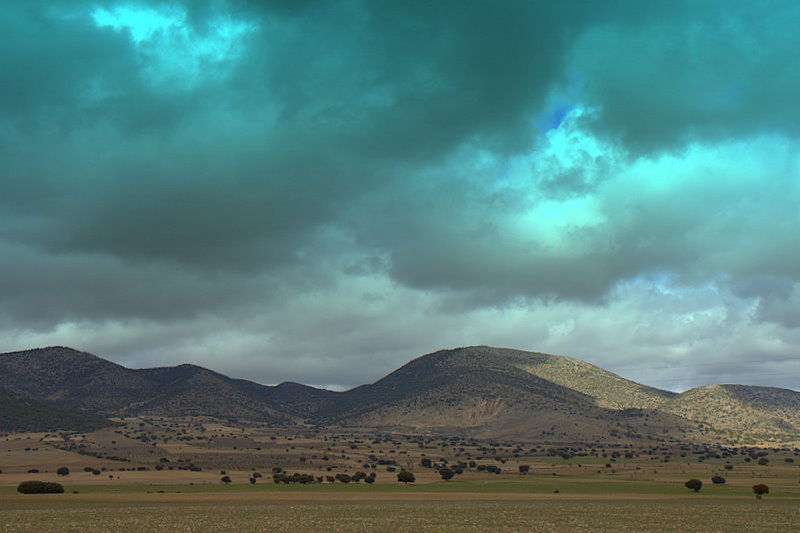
(190, 162)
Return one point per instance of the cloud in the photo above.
(308, 187)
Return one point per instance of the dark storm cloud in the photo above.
(729, 69)
(473, 156)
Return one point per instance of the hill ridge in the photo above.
(476, 389)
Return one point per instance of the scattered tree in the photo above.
(406, 477)
(446, 473)
(694, 484)
(759, 490)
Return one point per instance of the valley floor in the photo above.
(402, 510)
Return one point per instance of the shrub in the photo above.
(694, 484)
(759, 490)
(405, 477)
(40, 487)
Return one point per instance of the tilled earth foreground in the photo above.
(324, 512)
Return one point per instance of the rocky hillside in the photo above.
(20, 414)
(84, 382)
(497, 392)
(478, 390)
(745, 412)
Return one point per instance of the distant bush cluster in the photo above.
(40, 487)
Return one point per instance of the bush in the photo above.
(694, 484)
(759, 490)
(405, 477)
(40, 487)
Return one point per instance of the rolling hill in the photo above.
(478, 390)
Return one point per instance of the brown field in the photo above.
(164, 475)
(409, 511)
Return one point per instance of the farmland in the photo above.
(401, 510)
(161, 474)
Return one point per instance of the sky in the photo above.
(321, 191)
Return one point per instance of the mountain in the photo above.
(87, 383)
(746, 412)
(19, 414)
(504, 392)
(479, 391)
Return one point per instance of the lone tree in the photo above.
(225, 479)
(406, 477)
(446, 473)
(694, 484)
(759, 490)
(524, 469)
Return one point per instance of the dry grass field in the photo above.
(165, 475)
(391, 511)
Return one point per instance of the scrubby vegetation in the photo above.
(40, 487)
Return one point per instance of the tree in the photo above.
(718, 480)
(524, 469)
(225, 479)
(446, 473)
(426, 462)
(759, 490)
(405, 476)
(694, 484)
(63, 471)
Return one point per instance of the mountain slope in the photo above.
(494, 391)
(19, 414)
(746, 411)
(478, 390)
(82, 381)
